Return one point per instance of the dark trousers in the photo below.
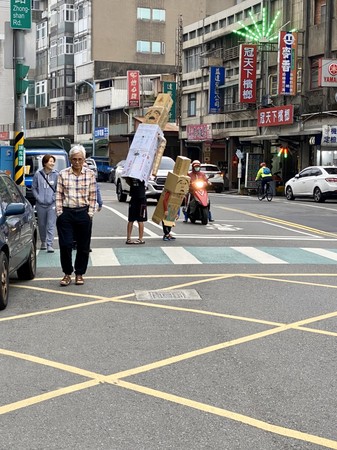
(74, 224)
(166, 229)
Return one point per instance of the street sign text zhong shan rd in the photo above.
(21, 14)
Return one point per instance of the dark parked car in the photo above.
(17, 236)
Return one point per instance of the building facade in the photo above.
(216, 42)
(96, 42)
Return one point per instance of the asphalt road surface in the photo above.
(222, 339)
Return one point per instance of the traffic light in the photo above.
(283, 151)
(21, 82)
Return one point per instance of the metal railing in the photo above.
(50, 122)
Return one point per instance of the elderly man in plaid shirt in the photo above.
(75, 208)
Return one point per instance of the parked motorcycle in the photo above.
(198, 202)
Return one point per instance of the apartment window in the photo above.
(81, 12)
(41, 98)
(35, 5)
(192, 59)
(67, 13)
(144, 13)
(320, 11)
(192, 104)
(41, 30)
(159, 15)
(156, 47)
(84, 124)
(53, 48)
(314, 62)
(143, 46)
(80, 44)
(65, 45)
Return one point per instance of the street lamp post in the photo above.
(93, 87)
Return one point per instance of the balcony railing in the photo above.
(234, 107)
(50, 122)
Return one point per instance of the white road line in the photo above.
(288, 228)
(103, 257)
(178, 255)
(124, 217)
(259, 256)
(322, 252)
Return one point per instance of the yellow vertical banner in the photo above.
(19, 158)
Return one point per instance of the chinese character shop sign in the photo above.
(202, 132)
(247, 83)
(277, 116)
(329, 135)
(216, 82)
(287, 63)
(133, 88)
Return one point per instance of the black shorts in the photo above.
(137, 210)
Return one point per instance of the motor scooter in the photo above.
(197, 202)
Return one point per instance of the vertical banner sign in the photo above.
(19, 158)
(247, 75)
(287, 63)
(170, 87)
(216, 96)
(133, 88)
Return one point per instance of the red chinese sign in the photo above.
(133, 88)
(279, 115)
(4, 135)
(248, 66)
(287, 63)
(202, 132)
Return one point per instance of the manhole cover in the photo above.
(182, 294)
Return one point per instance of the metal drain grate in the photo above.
(182, 294)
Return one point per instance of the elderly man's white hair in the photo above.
(77, 149)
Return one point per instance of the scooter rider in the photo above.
(196, 174)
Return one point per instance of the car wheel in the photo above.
(318, 196)
(4, 280)
(121, 197)
(28, 270)
(289, 193)
(218, 190)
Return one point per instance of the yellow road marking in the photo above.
(281, 221)
(305, 283)
(115, 378)
(260, 424)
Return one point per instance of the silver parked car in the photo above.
(318, 182)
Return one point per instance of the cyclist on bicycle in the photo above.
(263, 174)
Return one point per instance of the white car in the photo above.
(91, 163)
(155, 185)
(318, 182)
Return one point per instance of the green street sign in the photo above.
(21, 155)
(21, 14)
(170, 87)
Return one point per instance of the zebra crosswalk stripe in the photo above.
(179, 255)
(259, 255)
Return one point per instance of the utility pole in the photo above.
(21, 19)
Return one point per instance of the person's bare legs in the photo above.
(140, 230)
(129, 230)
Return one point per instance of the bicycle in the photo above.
(268, 193)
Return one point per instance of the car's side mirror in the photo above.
(14, 209)
(297, 175)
